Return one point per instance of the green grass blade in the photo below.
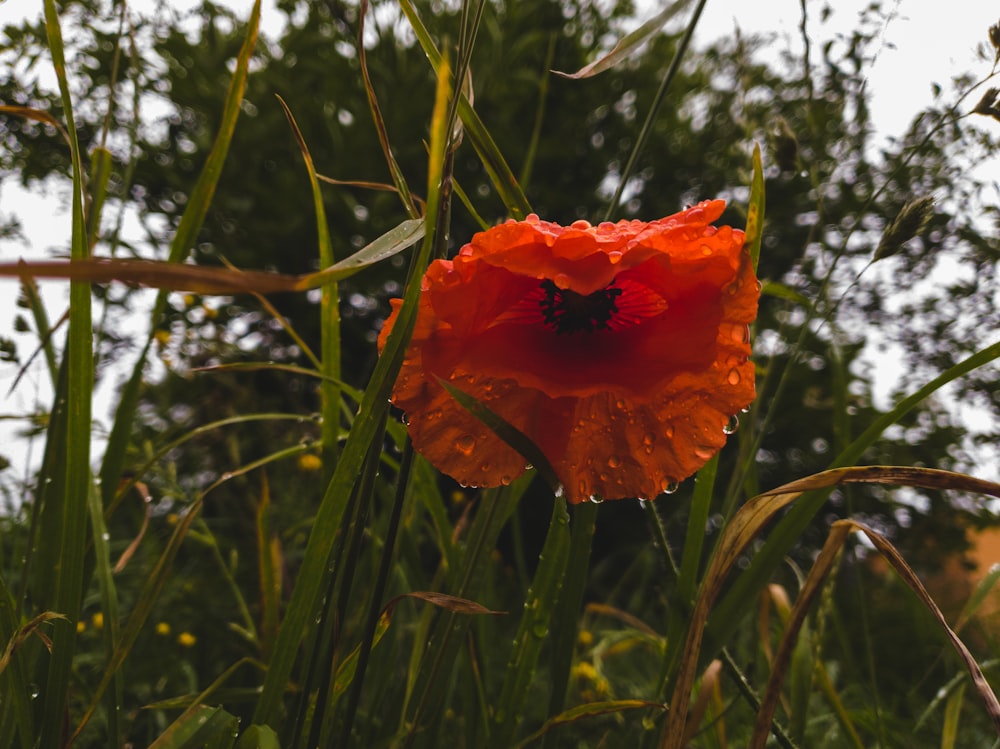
(428, 670)
(329, 314)
(629, 43)
(391, 243)
(314, 573)
(68, 516)
(658, 99)
(149, 595)
(198, 729)
(755, 209)
(109, 608)
(187, 231)
(503, 178)
(567, 615)
(539, 607)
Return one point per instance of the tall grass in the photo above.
(391, 633)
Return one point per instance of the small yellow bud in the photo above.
(97, 620)
(162, 628)
(310, 462)
(186, 639)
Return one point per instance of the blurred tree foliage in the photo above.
(833, 187)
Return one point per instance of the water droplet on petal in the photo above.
(732, 425)
(465, 444)
(614, 462)
(669, 431)
(505, 480)
(704, 452)
(620, 404)
(669, 487)
(561, 280)
(596, 499)
(734, 377)
(580, 224)
(614, 256)
(648, 438)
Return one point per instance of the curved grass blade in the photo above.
(383, 135)
(747, 523)
(629, 43)
(329, 314)
(828, 554)
(590, 709)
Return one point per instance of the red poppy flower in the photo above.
(621, 350)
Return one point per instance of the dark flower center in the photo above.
(566, 311)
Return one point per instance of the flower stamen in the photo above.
(566, 311)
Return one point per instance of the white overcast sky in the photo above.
(922, 43)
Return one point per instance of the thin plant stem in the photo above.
(647, 126)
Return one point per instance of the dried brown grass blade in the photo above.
(748, 522)
(814, 582)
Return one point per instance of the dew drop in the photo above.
(614, 256)
(580, 224)
(648, 438)
(669, 431)
(734, 377)
(732, 425)
(596, 499)
(505, 480)
(33, 691)
(539, 630)
(704, 452)
(614, 462)
(620, 404)
(669, 487)
(582, 486)
(485, 467)
(465, 444)
(561, 280)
